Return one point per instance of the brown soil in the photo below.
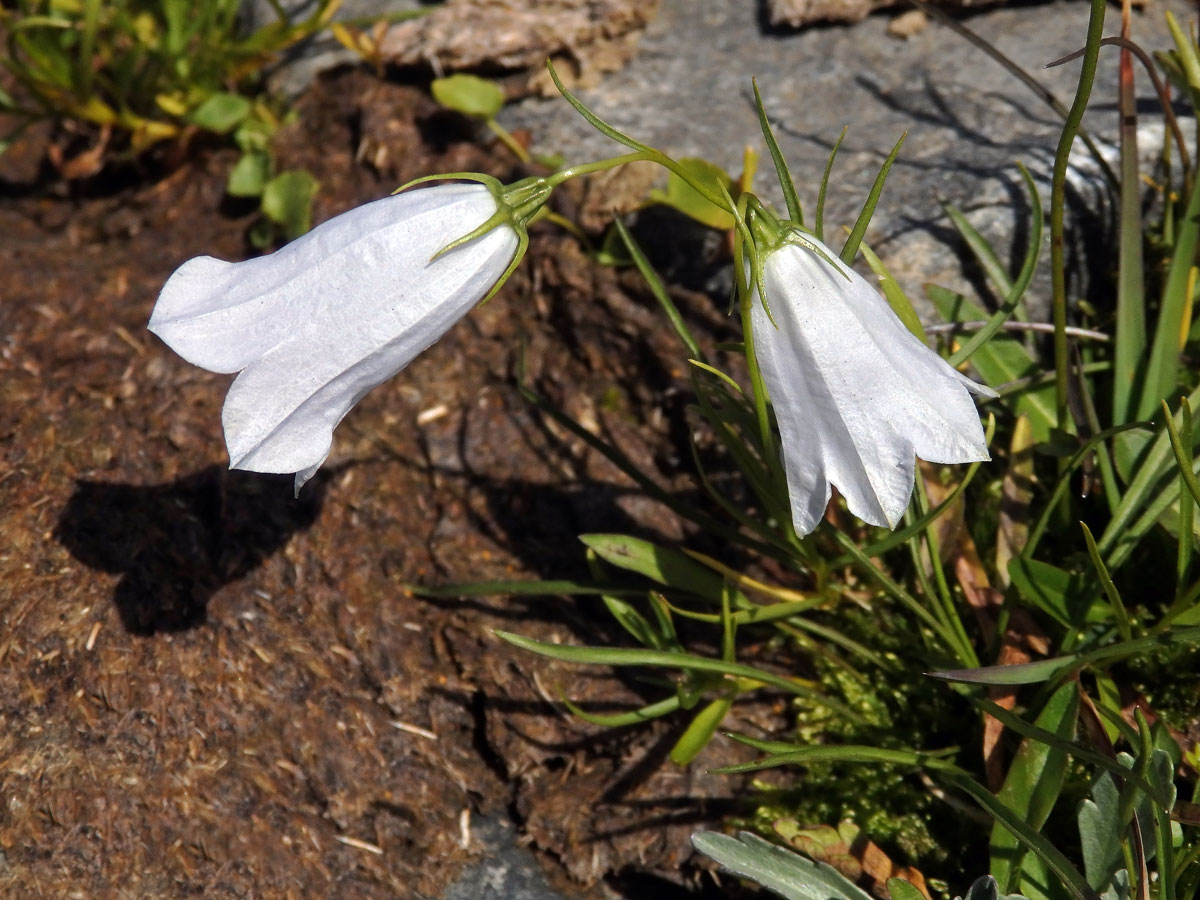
(207, 686)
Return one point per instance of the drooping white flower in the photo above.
(855, 393)
(314, 326)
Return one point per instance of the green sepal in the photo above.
(516, 205)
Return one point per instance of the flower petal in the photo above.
(856, 395)
(281, 411)
(223, 316)
(317, 324)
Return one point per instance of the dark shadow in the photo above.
(539, 523)
(685, 253)
(631, 883)
(176, 544)
(657, 813)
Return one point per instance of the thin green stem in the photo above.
(509, 141)
(943, 599)
(964, 653)
(600, 166)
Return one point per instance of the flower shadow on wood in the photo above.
(176, 544)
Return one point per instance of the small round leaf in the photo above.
(221, 112)
(468, 94)
(287, 201)
(249, 175)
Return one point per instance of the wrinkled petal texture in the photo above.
(314, 326)
(855, 393)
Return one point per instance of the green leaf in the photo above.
(667, 567)
(1030, 838)
(1118, 888)
(1045, 587)
(254, 134)
(782, 871)
(992, 267)
(1024, 673)
(287, 201)
(1001, 360)
(819, 220)
(1013, 291)
(1073, 748)
(1067, 597)
(469, 95)
(895, 295)
(1162, 368)
(899, 889)
(1129, 327)
(634, 622)
(782, 754)
(633, 717)
(249, 175)
(1146, 498)
(1064, 484)
(1038, 883)
(623, 656)
(220, 113)
(657, 288)
(697, 735)
(686, 199)
(781, 168)
(538, 588)
(982, 888)
(1100, 832)
(1115, 603)
(1033, 784)
(612, 250)
(850, 248)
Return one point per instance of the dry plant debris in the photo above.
(596, 36)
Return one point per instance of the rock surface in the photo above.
(968, 121)
(599, 35)
(795, 13)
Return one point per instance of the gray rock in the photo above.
(507, 872)
(968, 120)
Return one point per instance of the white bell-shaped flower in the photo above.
(314, 326)
(855, 393)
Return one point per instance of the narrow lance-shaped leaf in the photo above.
(697, 735)
(623, 656)
(1033, 784)
(1130, 331)
(1163, 365)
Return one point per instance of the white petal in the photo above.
(222, 316)
(319, 323)
(856, 395)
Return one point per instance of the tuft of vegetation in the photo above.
(124, 78)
